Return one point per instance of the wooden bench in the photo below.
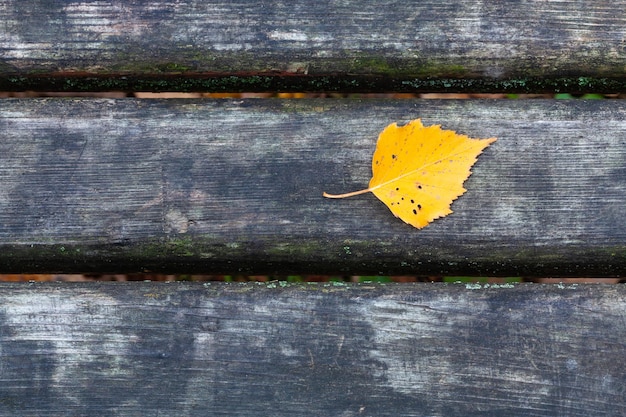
(235, 186)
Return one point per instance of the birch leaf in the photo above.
(419, 171)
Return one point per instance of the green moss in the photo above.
(439, 70)
(203, 57)
(375, 63)
(173, 67)
(375, 278)
(180, 246)
(371, 64)
(295, 250)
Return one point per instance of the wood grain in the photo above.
(323, 350)
(236, 187)
(418, 41)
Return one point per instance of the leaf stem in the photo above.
(353, 193)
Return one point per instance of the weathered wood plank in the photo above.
(522, 43)
(235, 186)
(323, 350)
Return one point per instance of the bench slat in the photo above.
(323, 350)
(416, 42)
(236, 186)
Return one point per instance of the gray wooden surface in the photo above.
(313, 350)
(236, 187)
(525, 43)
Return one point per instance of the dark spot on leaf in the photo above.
(419, 186)
(402, 198)
(412, 201)
(397, 189)
(414, 211)
(393, 156)
(419, 206)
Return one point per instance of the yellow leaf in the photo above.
(419, 171)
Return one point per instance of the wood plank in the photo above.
(324, 350)
(533, 45)
(236, 187)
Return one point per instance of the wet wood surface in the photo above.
(236, 187)
(504, 40)
(326, 349)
